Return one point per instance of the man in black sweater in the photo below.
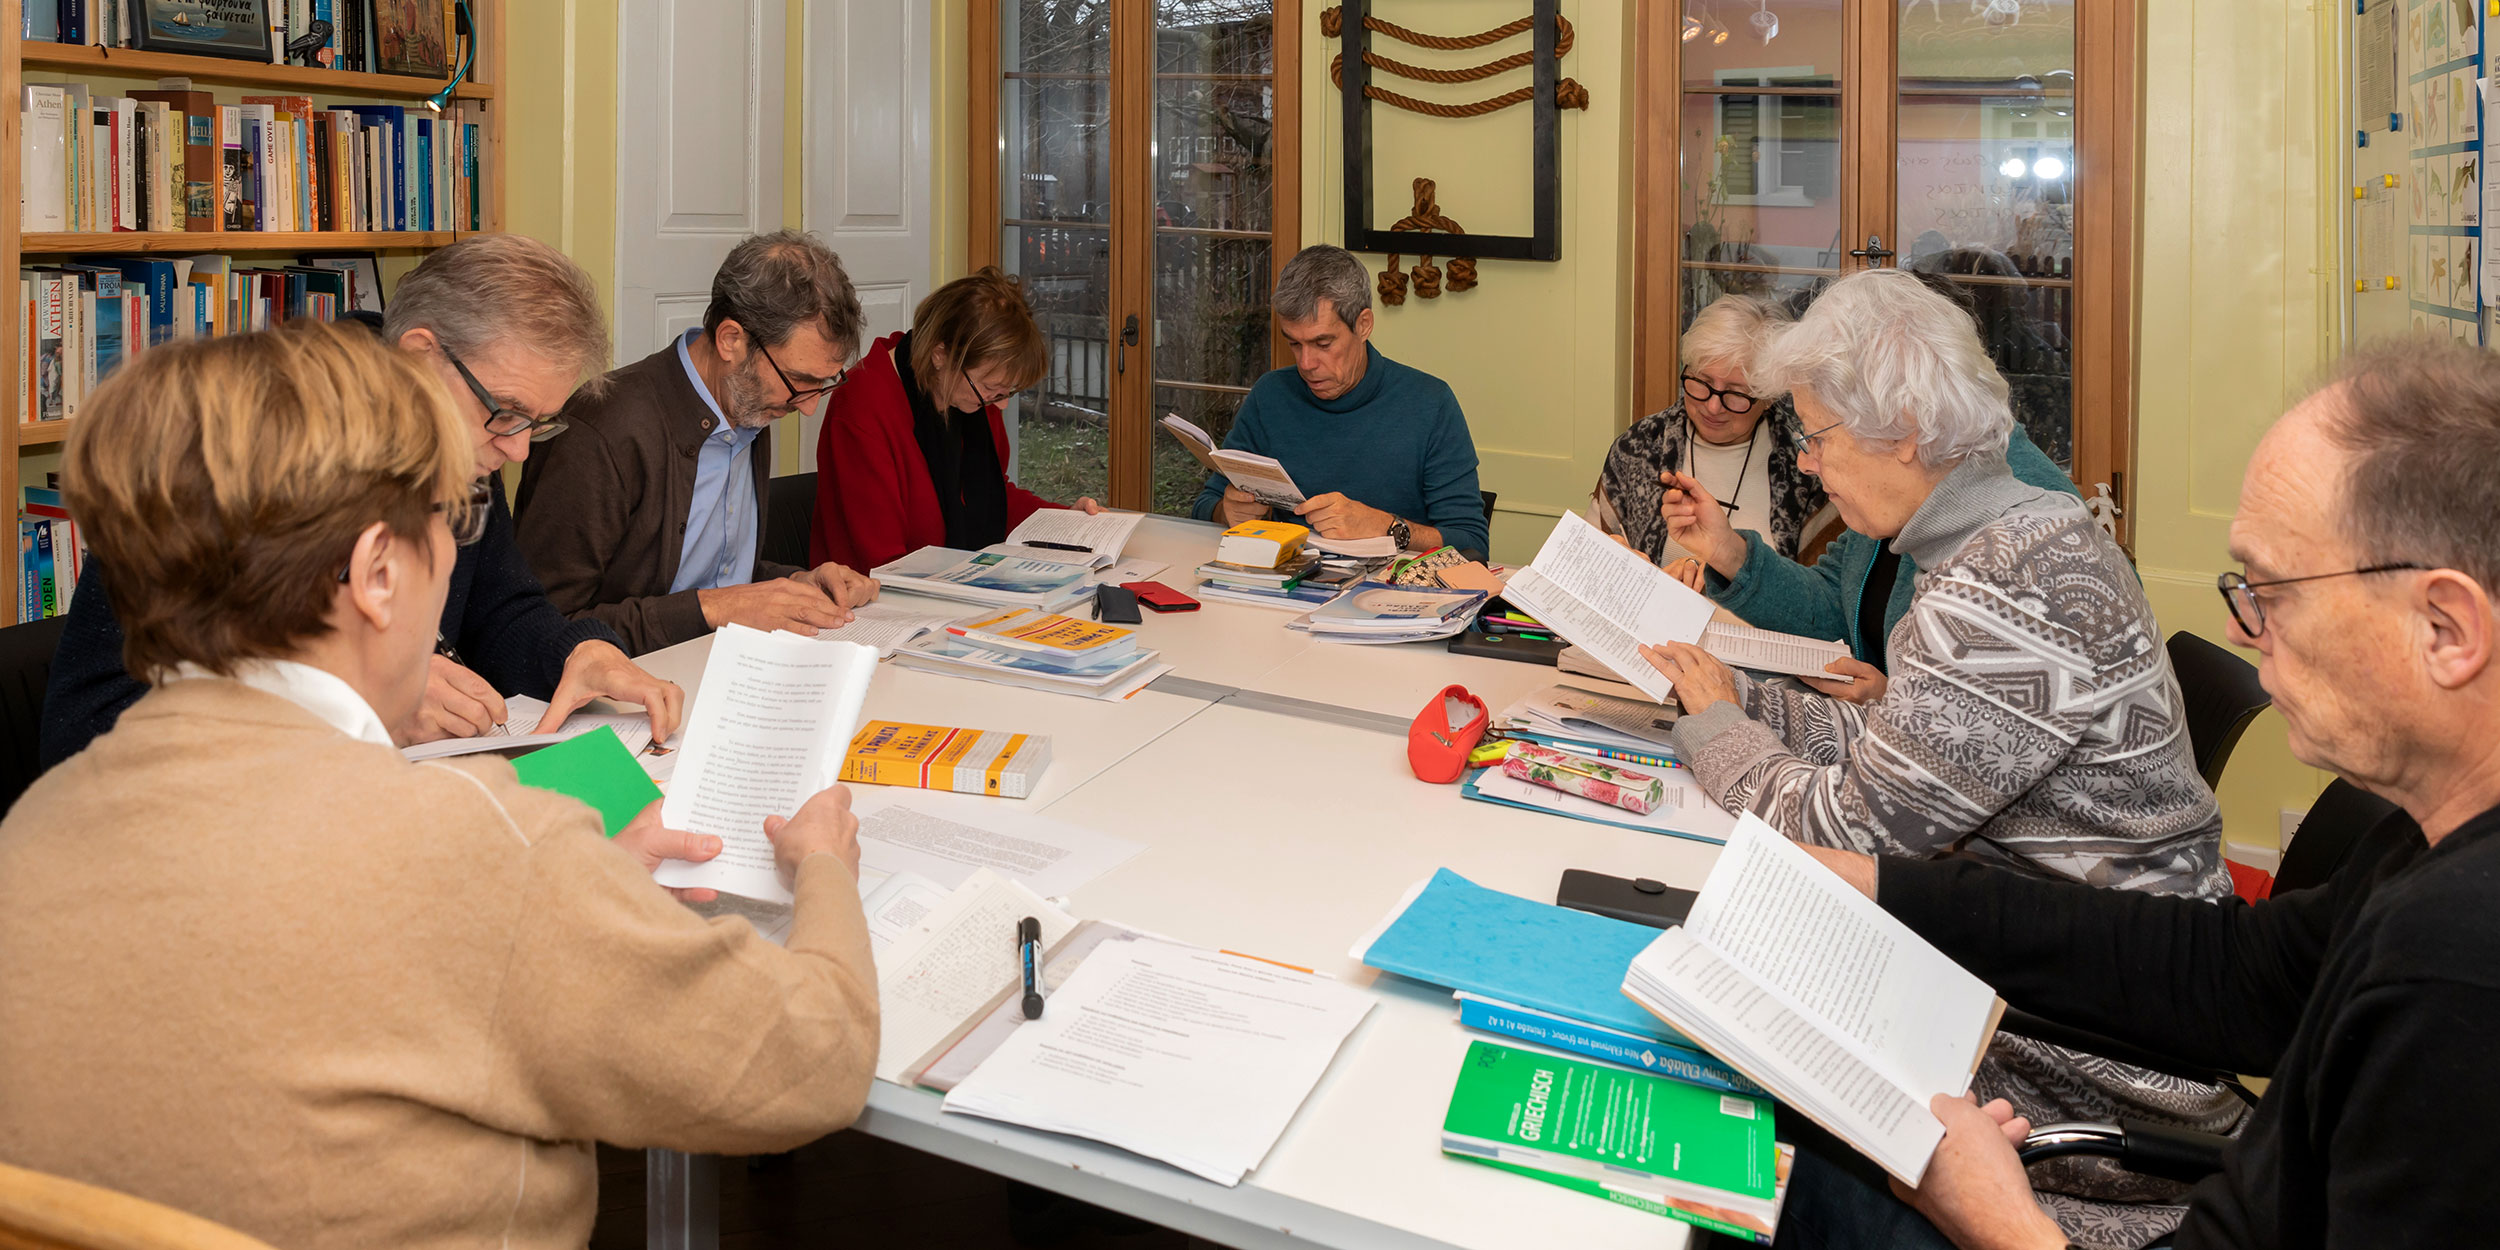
(512, 327)
(2366, 528)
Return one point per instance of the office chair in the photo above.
(25, 669)
(2222, 695)
(2335, 823)
(789, 520)
(39, 1211)
(1489, 497)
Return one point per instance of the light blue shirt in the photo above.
(720, 525)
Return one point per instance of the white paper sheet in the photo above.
(934, 980)
(898, 903)
(1606, 599)
(946, 837)
(766, 732)
(2374, 66)
(1193, 1057)
(522, 714)
(886, 626)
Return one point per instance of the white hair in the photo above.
(1893, 360)
(1730, 332)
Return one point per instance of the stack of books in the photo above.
(1032, 657)
(1632, 731)
(1296, 583)
(364, 36)
(50, 555)
(178, 160)
(990, 578)
(1376, 612)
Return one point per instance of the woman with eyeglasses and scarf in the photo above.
(914, 452)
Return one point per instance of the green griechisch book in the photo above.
(1643, 1136)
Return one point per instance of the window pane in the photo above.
(1055, 37)
(1215, 37)
(1761, 181)
(1762, 43)
(1210, 309)
(2001, 43)
(1214, 156)
(1178, 476)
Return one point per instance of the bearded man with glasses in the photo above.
(509, 327)
(651, 516)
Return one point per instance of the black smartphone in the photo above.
(1117, 605)
(1639, 900)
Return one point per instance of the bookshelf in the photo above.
(28, 448)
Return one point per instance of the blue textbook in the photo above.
(1571, 963)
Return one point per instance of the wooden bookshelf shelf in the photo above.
(84, 59)
(33, 433)
(186, 241)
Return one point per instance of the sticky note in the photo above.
(595, 768)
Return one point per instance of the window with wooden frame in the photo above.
(1783, 143)
(1136, 165)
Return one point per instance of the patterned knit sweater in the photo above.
(2032, 718)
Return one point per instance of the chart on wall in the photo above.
(2422, 183)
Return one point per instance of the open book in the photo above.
(769, 728)
(1265, 479)
(1607, 599)
(1770, 651)
(1792, 977)
(1069, 535)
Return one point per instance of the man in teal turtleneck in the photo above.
(1378, 447)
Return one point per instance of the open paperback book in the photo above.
(1049, 534)
(768, 729)
(1790, 976)
(1265, 479)
(990, 577)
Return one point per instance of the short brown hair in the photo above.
(980, 319)
(772, 284)
(497, 291)
(222, 483)
(2421, 418)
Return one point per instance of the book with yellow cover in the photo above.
(934, 757)
(1046, 633)
(1261, 544)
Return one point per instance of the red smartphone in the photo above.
(1159, 597)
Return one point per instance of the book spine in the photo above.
(1640, 1054)
(27, 590)
(47, 599)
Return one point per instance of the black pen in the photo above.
(1035, 542)
(1029, 947)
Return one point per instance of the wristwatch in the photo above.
(1401, 531)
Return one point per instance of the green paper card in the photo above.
(595, 768)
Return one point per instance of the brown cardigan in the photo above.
(601, 514)
(260, 971)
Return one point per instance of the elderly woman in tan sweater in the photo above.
(262, 968)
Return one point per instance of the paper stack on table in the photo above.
(1114, 678)
(1194, 1057)
(992, 578)
(1376, 612)
(936, 980)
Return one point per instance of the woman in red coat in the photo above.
(913, 453)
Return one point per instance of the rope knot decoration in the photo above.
(1568, 93)
(1428, 278)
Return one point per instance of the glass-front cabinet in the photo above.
(1810, 138)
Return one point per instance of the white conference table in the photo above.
(1267, 779)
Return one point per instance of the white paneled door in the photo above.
(868, 180)
(698, 153)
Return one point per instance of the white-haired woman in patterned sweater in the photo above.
(2029, 717)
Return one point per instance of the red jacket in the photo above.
(874, 500)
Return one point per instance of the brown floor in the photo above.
(853, 1189)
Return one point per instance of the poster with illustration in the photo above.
(2434, 115)
(2435, 188)
(2420, 178)
(2417, 278)
(2464, 111)
(2465, 189)
(2434, 36)
(2460, 291)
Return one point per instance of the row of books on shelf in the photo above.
(50, 555)
(175, 159)
(78, 321)
(391, 37)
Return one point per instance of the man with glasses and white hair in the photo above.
(651, 516)
(2365, 526)
(510, 327)
(2031, 718)
(1382, 446)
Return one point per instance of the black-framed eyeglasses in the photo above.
(1811, 442)
(799, 398)
(1734, 401)
(467, 517)
(2240, 594)
(503, 422)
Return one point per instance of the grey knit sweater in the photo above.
(2032, 717)
(2032, 720)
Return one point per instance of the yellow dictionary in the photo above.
(1261, 544)
(933, 757)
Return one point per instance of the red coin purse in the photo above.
(1443, 734)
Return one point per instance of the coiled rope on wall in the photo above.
(1568, 93)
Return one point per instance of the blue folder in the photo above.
(1464, 936)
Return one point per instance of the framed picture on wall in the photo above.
(238, 29)
(410, 37)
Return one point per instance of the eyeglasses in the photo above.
(1812, 441)
(798, 398)
(466, 516)
(1733, 401)
(503, 422)
(2240, 594)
